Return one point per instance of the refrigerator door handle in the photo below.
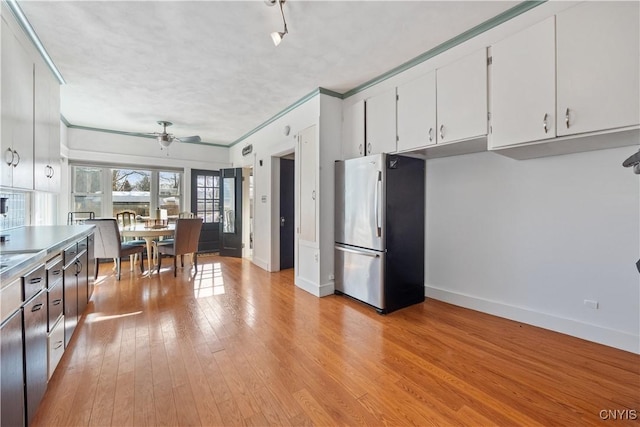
(377, 203)
(358, 251)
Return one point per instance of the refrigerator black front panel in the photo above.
(405, 219)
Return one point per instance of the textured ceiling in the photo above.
(211, 68)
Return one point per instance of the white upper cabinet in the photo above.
(353, 131)
(381, 123)
(462, 98)
(523, 86)
(17, 111)
(46, 169)
(417, 113)
(598, 67)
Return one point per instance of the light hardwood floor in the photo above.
(235, 345)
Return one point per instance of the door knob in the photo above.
(282, 221)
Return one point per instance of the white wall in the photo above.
(531, 240)
(269, 143)
(330, 145)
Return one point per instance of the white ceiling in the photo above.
(211, 68)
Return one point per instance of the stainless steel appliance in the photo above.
(379, 230)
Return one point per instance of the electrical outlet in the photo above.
(591, 304)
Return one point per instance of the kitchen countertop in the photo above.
(33, 244)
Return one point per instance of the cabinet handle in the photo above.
(313, 195)
(360, 148)
(566, 118)
(37, 307)
(79, 266)
(8, 160)
(53, 171)
(56, 272)
(35, 280)
(15, 154)
(369, 148)
(58, 345)
(544, 123)
(56, 301)
(430, 134)
(441, 131)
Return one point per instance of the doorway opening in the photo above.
(287, 211)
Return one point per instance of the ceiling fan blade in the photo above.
(194, 138)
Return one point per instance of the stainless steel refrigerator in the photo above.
(379, 230)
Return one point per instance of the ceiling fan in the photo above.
(165, 139)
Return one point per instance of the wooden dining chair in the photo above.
(185, 241)
(108, 244)
(186, 215)
(126, 218)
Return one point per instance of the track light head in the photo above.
(277, 36)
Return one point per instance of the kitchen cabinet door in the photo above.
(462, 98)
(11, 367)
(523, 86)
(381, 123)
(353, 131)
(417, 113)
(46, 130)
(35, 352)
(308, 154)
(598, 67)
(17, 111)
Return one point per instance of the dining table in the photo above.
(148, 233)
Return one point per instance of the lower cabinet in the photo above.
(12, 392)
(35, 352)
(55, 346)
(76, 285)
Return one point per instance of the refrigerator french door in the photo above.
(379, 240)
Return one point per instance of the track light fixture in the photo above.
(277, 36)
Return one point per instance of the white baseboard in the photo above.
(327, 289)
(610, 337)
(308, 286)
(260, 263)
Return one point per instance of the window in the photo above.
(131, 191)
(87, 193)
(109, 190)
(208, 198)
(169, 196)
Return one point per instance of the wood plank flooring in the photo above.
(235, 345)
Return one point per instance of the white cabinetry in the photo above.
(462, 98)
(523, 86)
(30, 123)
(559, 89)
(353, 131)
(417, 113)
(598, 67)
(308, 154)
(46, 130)
(381, 123)
(17, 111)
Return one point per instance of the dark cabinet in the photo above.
(76, 285)
(70, 299)
(11, 377)
(35, 352)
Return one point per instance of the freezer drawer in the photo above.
(359, 274)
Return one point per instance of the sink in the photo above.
(13, 259)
